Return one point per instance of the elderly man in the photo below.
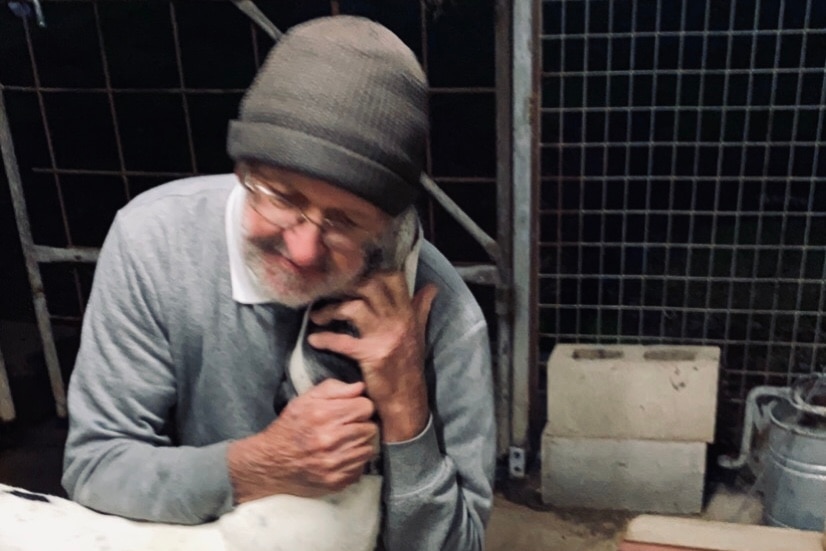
(176, 402)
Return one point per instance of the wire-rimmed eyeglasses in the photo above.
(279, 210)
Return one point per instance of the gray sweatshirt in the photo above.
(171, 369)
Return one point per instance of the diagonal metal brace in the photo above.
(253, 12)
(487, 242)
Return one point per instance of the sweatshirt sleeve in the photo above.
(119, 458)
(439, 485)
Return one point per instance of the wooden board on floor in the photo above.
(661, 533)
(634, 546)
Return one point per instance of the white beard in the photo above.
(289, 289)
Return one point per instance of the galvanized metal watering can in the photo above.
(791, 464)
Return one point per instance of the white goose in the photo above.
(349, 519)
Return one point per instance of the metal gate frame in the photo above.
(524, 177)
(512, 350)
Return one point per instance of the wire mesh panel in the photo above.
(682, 193)
(112, 98)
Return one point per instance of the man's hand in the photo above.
(319, 444)
(390, 349)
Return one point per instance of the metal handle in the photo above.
(752, 419)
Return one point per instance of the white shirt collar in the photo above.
(245, 288)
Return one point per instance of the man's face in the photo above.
(294, 263)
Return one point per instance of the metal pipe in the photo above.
(523, 248)
(27, 243)
(750, 422)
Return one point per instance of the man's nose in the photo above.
(304, 244)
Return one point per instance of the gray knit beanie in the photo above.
(344, 100)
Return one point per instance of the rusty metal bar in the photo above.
(504, 222)
(682, 33)
(46, 255)
(184, 100)
(104, 60)
(696, 72)
(430, 214)
(98, 172)
(256, 50)
(97, 90)
(7, 412)
(55, 175)
(70, 320)
(481, 274)
(463, 90)
(50, 147)
(214, 91)
(27, 243)
(178, 174)
(116, 1)
(463, 179)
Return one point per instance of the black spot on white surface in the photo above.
(29, 496)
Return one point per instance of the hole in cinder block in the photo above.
(673, 355)
(596, 354)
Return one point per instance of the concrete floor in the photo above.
(515, 527)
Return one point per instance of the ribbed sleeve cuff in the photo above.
(412, 464)
(213, 477)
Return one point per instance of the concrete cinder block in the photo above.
(637, 392)
(631, 475)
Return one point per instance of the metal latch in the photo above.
(516, 462)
